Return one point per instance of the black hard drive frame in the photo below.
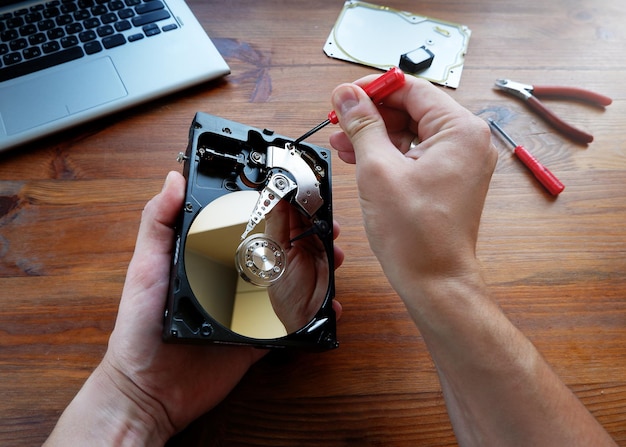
(185, 320)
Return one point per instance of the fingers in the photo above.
(342, 144)
(338, 253)
(383, 128)
(362, 123)
(338, 308)
(416, 120)
(424, 103)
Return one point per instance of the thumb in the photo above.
(156, 229)
(361, 121)
(148, 271)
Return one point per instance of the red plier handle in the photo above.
(530, 94)
(573, 93)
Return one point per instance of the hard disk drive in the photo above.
(253, 258)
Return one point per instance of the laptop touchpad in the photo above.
(46, 98)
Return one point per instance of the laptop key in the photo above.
(99, 10)
(64, 20)
(51, 12)
(93, 22)
(151, 30)
(106, 30)
(149, 7)
(135, 37)
(69, 41)
(18, 44)
(74, 28)
(116, 5)
(46, 25)
(68, 8)
(82, 4)
(15, 22)
(8, 35)
(50, 47)
(28, 29)
(12, 58)
(109, 18)
(55, 33)
(123, 25)
(82, 14)
(37, 39)
(87, 36)
(150, 17)
(47, 61)
(33, 17)
(126, 13)
(113, 41)
(93, 47)
(31, 52)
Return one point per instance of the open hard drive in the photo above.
(253, 261)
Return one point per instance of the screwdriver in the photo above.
(541, 173)
(378, 89)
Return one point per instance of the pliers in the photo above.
(529, 94)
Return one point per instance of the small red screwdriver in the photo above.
(378, 89)
(541, 173)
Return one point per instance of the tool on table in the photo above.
(530, 93)
(541, 173)
(377, 90)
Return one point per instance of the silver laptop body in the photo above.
(144, 62)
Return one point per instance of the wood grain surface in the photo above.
(70, 208)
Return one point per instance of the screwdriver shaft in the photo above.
(502, 132)
(312, 131)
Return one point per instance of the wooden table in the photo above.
(70, 208)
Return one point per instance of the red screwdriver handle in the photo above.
(379, 88)
(541, 173)
(385, 85)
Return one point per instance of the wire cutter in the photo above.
(530, 93)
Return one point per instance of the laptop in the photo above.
(65, 62)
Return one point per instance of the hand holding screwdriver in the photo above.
(541, 173)
(377, 90)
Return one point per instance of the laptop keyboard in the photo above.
(59, 31)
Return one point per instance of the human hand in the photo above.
(421, 202)
(299, 293)
(422, 205)
(185, 380)
(144, 389)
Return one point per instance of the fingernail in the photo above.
(346, 99)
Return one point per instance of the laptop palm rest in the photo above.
(57, 94)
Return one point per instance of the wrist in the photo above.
(446, 296)
(424, 281)
(462, 324)
(141, 417)
(111, 410)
